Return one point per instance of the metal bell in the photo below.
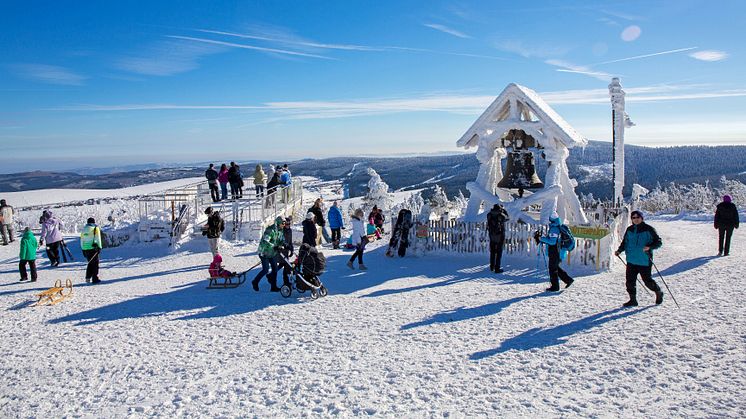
(520, 172)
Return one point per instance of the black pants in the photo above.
(647, 279)
(358, 254)
(286, 269)
(234, 190)
(91, 270)
(555, 272)
(259, 190)
(214, 193)
(336, 235)
(22, 269)
(496, 253)
(53, 253)
(724, 233)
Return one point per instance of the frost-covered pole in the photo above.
(619, 120)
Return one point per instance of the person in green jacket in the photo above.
(272, 239)
(90, 242)
(28, 254)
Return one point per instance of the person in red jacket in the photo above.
(216, 268)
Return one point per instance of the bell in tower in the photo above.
(520, 172)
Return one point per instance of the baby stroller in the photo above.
(307, 267)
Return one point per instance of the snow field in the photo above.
(423, 336)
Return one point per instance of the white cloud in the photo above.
(566, 67)
(166, 58)
(709, 55)
(630, 33)
(44, 73)
(446, 29)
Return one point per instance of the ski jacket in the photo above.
(215, 225)
(496, 219)
(223, 176)
(552, 238)
(335, 218)
(212, 176)
(6, 214)
(272, 238)
(216, 270)
(310, 233)
(318, 214)
(726, 215)
(259, 176)
(635, 238)
(285, 178)
(358, 231)
(273, 183)
(233, 175)
(378, 218)
(90, 237)
(50, 230)
(287, 233)
(28, 246)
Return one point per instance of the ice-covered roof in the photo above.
(507, 109)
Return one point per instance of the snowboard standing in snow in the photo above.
(400, 236)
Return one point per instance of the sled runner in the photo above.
(227, 282)
(55, 294)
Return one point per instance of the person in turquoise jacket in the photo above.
(28, 254)
(638, 244)
(90, 243)
(552, 241)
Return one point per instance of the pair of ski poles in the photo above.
(650, 258)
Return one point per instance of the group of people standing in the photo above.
(232, 176)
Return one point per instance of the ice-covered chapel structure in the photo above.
(520, 126)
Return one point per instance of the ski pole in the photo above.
(664, 281)
(638, 279)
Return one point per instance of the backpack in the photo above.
(566, 240)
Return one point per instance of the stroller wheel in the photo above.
(323, 291)
(285, 291)
(314, 294)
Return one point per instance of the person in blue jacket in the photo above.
(552, 241)
(336, 224)
(638, 243)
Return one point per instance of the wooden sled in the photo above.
(55, 294)
(230, 282)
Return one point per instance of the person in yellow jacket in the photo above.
(90, 242)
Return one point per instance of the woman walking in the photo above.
(51, 233)
(359, 239)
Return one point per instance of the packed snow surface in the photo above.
(426, 336)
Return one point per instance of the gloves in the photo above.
(96, 246)
(616, 253)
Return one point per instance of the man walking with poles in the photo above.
(638, 244)
(90, 243)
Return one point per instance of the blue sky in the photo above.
(110, 83)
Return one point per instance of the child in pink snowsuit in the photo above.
(216, 268)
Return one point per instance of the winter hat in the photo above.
(2, 202)
(46, 214)
(638, 213)
(91, 220)
(310, 216)
(727, 198)
(217, 258)
(279, 220)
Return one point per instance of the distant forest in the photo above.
(590, 166)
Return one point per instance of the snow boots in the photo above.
(659, 297)
(630, 303)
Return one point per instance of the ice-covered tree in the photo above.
(378, 193)
(439, 203)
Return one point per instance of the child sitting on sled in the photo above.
(216, 268)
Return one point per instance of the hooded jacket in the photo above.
(726, 215)
(50, 229)
(6, 214)
(335, 218)
(318, 215)
(90, 237)
(309, 232)
(28, 246)
(358, 231)
(496, 219)
(553, 235)
(259, 176)
(272, 238)
(216, 270)
(635, 238)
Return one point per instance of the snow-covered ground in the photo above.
(413, 337)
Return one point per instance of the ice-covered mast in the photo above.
(619, 120)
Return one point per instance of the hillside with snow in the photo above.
(421, 336)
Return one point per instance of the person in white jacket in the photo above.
(359, 239)
(6, 222)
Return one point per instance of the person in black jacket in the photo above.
(234, 179)
(272, 186)
(726, 219)
(213, 230)
(310, 233)
(496, 219)
(318, 218)
(212, 181)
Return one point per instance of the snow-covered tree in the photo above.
(439, 203)
(378, 193)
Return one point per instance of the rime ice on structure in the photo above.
(620, 120)
(520, 108)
